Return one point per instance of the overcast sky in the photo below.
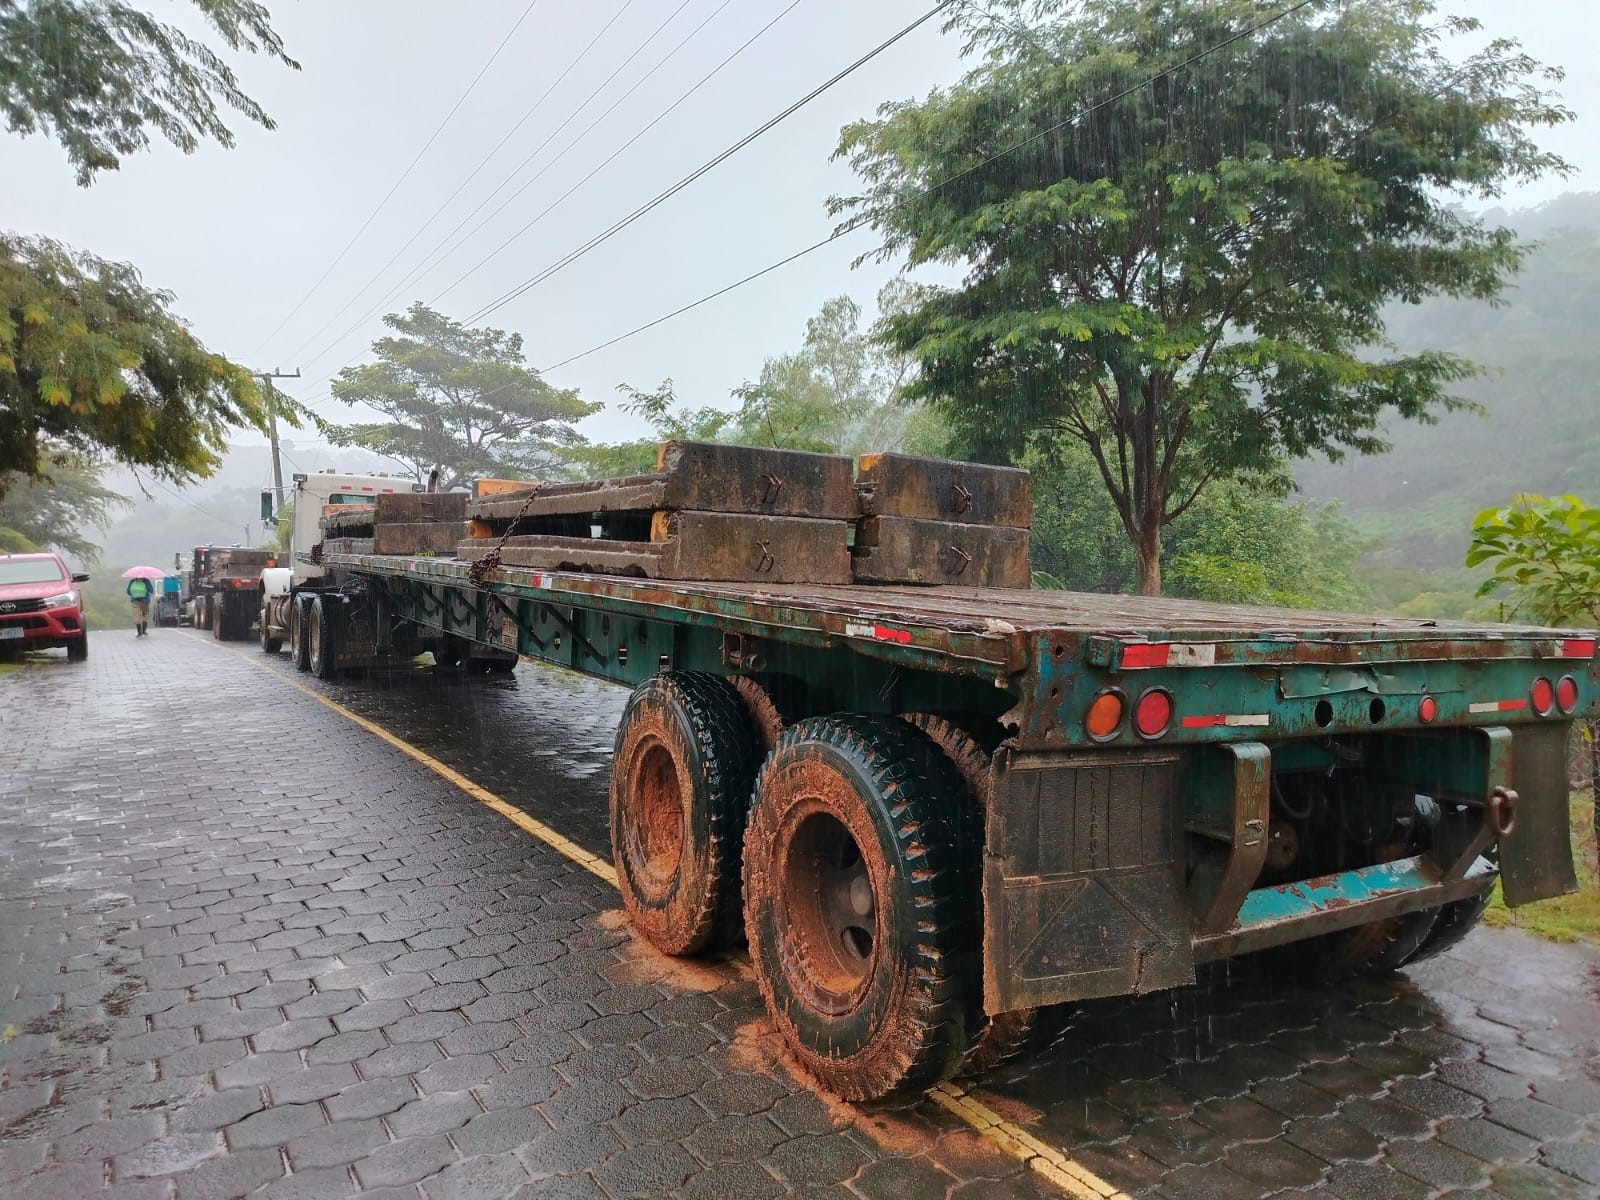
(241, 236)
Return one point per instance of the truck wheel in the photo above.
(78, 648)
(765, 715)
(1456, 920)
(680, 789)
(1004, 1036)
(860, 891)
(218, 611)
(321, 653)
(269, 644)
(299, 642)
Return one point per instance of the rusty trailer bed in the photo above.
(991, 631)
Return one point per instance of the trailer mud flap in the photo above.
(1536, 856)
(1083, 887)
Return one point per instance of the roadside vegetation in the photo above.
(1562, 918)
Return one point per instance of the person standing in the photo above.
(139, 591)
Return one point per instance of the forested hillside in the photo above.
(1539, 430)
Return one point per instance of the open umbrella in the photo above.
(144, 573)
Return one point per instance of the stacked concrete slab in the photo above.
(741, 514)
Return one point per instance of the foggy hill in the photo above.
(225, 509)
(1540, 426)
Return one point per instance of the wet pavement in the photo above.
(247, 947)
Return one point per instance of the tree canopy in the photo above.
(96, 75)
(462, 400)
(1179, 225)
(92, 360)
(58, 515)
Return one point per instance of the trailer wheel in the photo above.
(321, 653)
(269, 644)
(765, 715)
(1456, 920)
(216, 610)
(299, 642)
(859, 882)
(1004, 1036)
(680, 788)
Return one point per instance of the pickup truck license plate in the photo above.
(10, 631)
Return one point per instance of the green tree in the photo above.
(1188, 276)
(842, 392)
(96, 75)
(460, 400)
(92, 361)
(1544, 554)
(1241, 542)
(283, 531)
(668, 421)
(58, 514)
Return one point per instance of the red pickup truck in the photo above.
(40, 606)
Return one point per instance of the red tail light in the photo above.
(1542, 696)
(1566, 693)
(1427, 709)
(1153, 713)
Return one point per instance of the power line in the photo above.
(690, 178)
(615, 154)
(851, 226)
(403, 175)
(612, 157)
(473, 174)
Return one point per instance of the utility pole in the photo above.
(266, 378)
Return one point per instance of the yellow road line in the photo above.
(1044, 1160)
(561, 844)
(1015, 1141)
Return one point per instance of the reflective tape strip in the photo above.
(1489, 706)
(1578, 648)
(1212, 720)
(1143, 655)
(881, 633)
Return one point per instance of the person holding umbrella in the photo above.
(140, 589)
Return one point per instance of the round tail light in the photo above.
(1566, 693)
(1153, 713)
(1105, 715)
(1427, 709)
(1542, 696)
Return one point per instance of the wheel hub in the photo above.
(831, 912)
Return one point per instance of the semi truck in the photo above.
(931, 809)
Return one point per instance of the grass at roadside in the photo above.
(1564, 918)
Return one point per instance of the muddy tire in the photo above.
(1374, 949)
(321, 653)
(681, 778)
(299, 642)
(765, 716)
(860, 877)
(1456, 920)
(269, 644)
(1000, 1038)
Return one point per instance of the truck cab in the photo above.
(313, 492)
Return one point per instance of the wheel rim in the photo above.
(654, 821)
(827, 902)
(314, 636)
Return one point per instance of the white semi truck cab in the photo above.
(311, 493)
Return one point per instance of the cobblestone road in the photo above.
(247, 947)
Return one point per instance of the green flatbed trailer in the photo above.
(964, 804)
